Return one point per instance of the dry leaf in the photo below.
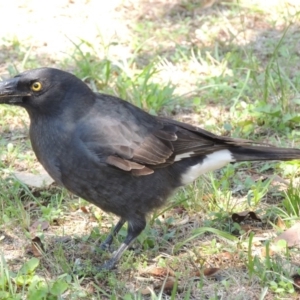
(34, 180)
(37, 247)
(275, 179)
(39, 226)
(226, 255)
(158, 271)
(207, 197)
(280, 224)
(291, 236)
(145, 291)
(208, 272)
(264, 252)
(181, 222)
(84, 209)
(179, 210)
(257, 177)
(166, 285)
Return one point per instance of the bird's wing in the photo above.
(134, 141)
(128, 144)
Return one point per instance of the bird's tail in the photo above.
(257, 153)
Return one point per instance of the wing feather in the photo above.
(128, 138)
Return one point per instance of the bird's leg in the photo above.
(135, 227)
(105, 245)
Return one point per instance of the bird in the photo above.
(115, 155)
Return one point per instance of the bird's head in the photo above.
(45, 90)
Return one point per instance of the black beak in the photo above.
(9, 92)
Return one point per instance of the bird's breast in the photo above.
(51, 145)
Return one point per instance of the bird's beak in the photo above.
(9, 92)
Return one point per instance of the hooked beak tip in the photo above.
(9, 93)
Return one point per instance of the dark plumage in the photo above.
(115, 155)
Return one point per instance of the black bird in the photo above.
(115, 155)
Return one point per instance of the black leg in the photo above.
(106, 244)
(135, 227)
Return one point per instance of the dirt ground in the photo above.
(49, 30)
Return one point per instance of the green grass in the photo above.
(232, 69)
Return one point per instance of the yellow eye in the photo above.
(36, 86)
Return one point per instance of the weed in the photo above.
(235, 67)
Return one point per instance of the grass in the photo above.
(231, 68)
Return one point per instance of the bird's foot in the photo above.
(82, 270)
(112, 262)
(105, 246)
(107, 266)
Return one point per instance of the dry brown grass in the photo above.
(46, 28)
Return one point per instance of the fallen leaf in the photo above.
(291, 236)
(158, 271)
(280, 224)
(145, 291)
(34, 180)
(166, 285)
(181, 222)
(277, 179)
(179, 210)
(39, 226)
(37, 247)
(208, 272)
(264, 252)
(226, 255)
(84, 209)
(258, 177)
(207, 197)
